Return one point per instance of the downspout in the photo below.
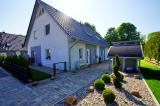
(70, 53)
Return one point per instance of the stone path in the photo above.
(12, 92)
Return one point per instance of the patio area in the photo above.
(48, 92)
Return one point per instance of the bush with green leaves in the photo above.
(121, 76)
(2, 58)
(19, 60)
(152, 47)
(117, 76)
(106, 78)
(116, 82)
(23, 61)
(108, 96)
(99, 84)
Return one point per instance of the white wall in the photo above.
(75, 53)
(57, 41)
(97, 53)
(106, 53)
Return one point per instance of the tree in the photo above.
(117, 77)
(152, 47)
(143, 39)
(92, 26)
(153, 34)
(127, 31)
(111, 35)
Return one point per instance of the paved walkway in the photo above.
(12, 92)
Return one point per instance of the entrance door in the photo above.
(36, 54)
(88, 56)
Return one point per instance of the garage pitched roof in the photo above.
(71, 27)
(126, 51)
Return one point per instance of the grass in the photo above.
(151, 74)
(38, 75)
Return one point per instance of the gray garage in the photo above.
(130, 55)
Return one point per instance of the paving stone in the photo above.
(47, 94)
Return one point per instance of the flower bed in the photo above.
(123, 95)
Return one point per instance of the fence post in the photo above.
(54, 69)
(29, 74)
(65, 67)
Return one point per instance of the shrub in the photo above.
(119, 76)
(17, 60)
(2, 59)
(106, 78)
(23, 61)
(108, 96)
(99, 85)
(116, 82)
(106, 73)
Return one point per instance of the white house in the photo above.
(54, 37)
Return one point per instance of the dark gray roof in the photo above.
(126, 43)
(14, 42)
(71, 27)
(126, 51)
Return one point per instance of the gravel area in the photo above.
(123, 96)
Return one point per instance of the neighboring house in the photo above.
(55, 37)
(11, 44)
(130, 53)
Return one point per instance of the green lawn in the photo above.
(38, 75)
(151, 74)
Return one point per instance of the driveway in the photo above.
(47, 92)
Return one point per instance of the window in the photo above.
(47, 29)
(41, 11)
(48, 54)
(35, 36)
(80, 53)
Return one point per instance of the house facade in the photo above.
(54, 37)
(130, 53)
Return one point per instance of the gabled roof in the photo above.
(126, 51)
(11, 41)
(71, 27)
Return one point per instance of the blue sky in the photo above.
(145, 14)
